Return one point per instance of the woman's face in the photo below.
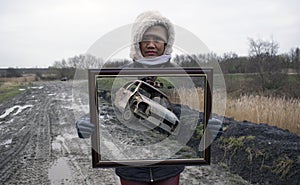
(153, 42)
(152, 48)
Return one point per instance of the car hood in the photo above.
(158, 109)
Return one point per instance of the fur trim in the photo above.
(141, 24)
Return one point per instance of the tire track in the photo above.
(25, 159)
(62, 126)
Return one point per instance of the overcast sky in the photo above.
(35, 33)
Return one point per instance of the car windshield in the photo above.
(144, 92)
(148, 90)
(152, 93)
(131, 86)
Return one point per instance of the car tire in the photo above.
(127, 115)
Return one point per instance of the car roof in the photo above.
(147, 84)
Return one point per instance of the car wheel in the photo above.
(127, 114)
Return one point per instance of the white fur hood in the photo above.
(141, 24)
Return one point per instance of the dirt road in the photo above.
(39, 144)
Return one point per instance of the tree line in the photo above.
(263, 57)
(270, 69)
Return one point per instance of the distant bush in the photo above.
(287, 85)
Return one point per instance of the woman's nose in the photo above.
(150, 44)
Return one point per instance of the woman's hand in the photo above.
(214, 127)
(84, 127)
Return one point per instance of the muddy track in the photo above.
(30, 134)
(39, 143)
(31, 143)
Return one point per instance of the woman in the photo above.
(152, 41)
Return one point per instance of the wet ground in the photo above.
(39, 144)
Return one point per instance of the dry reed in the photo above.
(277, 111)
(19, 80)
(194, 98)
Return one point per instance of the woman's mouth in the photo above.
(151, 53)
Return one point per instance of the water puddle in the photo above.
(12, 109)
(60, 172)
(6, 142)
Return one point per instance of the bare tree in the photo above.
(265, 62)
(294, 56)
(261, 47)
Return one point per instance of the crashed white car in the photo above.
(139, 100)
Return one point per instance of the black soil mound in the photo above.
(259, 153)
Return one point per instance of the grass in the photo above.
(8, 90)
(281, 85)
(9, 87)
(105, 83)
(233, 144)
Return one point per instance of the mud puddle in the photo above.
(60, 172)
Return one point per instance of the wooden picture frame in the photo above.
(144, 140)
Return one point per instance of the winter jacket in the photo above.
(148, 174)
